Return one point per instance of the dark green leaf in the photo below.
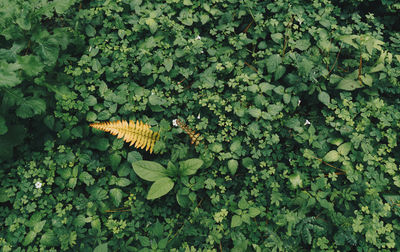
(148, 170)
(159, 188)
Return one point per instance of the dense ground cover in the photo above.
(296, 105)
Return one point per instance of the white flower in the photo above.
(298, 104)
(90, 48)
(307, 122)
(198, 116)
(174, 122)
(198, 37)
(38, 184)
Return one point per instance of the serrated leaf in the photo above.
(101, 248)
(302, 44)
(8, 75)
(30, 64)
(168, 64)
(324, 98)
(296, 180)
(255, 112)
(29, 238)
(116, 196)
(273, 62)
(243, 204)
(49, 239)
(233, 166)
(236, 221)
(86, 178)
(190, 166)
(159, 188)
(152, 25)
(331, 156)
(348, 84)
(62, 6)
(48, 50)
(253, 212)
(39, 226)
(31, 107)
(344, 149)
(149, 170)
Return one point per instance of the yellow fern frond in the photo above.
(192, 134)
(139, 134)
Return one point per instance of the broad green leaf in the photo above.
(274, 109)
(156, 100)
(324, 98)
(348, 39)
(236, 221)
(39, 226)
(280, 71)
(190, 166)
(62, 6)
(30, 64)
(277, 37)
(4, 195)
(331, 156)
(216, 147)
(29, 238)
(302, 44)
(3, 126)
(233, 166)
(253, 212)
(348, 84)
(344, 149)
(90, 31)
(236, 145)
(273, 62)
(149, 170)
(8, 75)
(152, 24)
(49, 239)
(86, 178)
(377, 68)
(116, 196)
(159, 188)
(31, 107)
(101, 248)
(48, 49)
(100, 143)
(296, 180)
(243, 204)
(367, 79)
(255, 112)
(168, 64)
(122, 182)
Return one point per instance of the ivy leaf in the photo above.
(116, 196)
(331, 156)
(149, 170)
(190, 166)
(348, 84)
(159, 188)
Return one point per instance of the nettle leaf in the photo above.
(236, 221)
(168, 64)
(233, 166)
(302, 44)
(349, 84)
(324, 98)
(149, 170)
(116, 196)
(86, 178)
(159, 188)
(255, 112)
(190, 166)
(331, 156)
(344, 149)
(273, 62)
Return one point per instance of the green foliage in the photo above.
(297, 103)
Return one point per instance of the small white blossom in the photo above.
(307, 122)
(90, 48)
(174, 122)
(38, 185)
(298, 104)
(202, 51)
(152, 93)
(198, 116)
(198, 37)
